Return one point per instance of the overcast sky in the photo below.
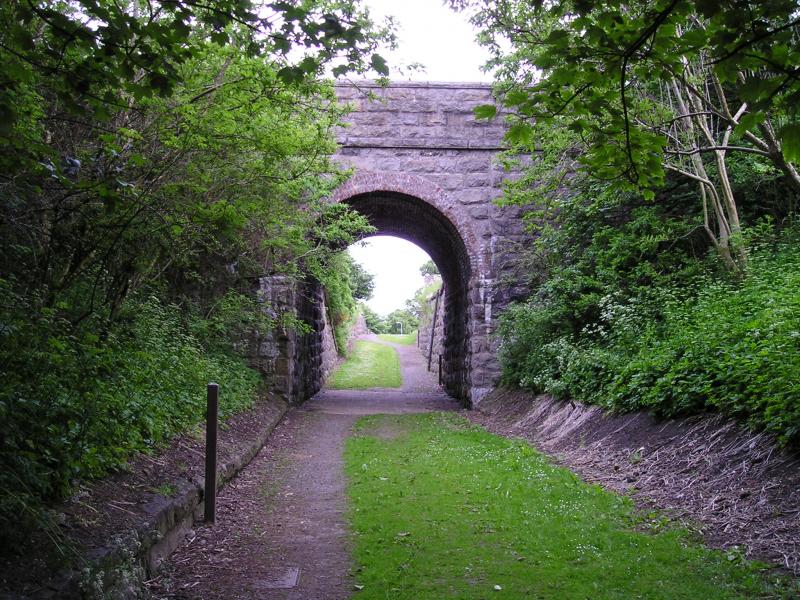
(395, 264)
(432, 34)
(444, 42)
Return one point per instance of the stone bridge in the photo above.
(425, 172)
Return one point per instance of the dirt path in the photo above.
(281, 530)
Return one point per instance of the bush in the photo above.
(77, 401)
(735, 348)
(714, 345)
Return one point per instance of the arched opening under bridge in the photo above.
(419, 216)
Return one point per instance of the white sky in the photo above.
(432, 34)
(444, 41)
(395, 264)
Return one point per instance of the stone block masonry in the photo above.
(294, 364)
(425, 171)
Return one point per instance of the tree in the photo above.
(202, 177)
(134, 144)
(362, 282)
(429, 268)
(375, 323)
(401, 320)
(649, 88)
(156, 160)
(96, 56)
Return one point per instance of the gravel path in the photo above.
(281, 530)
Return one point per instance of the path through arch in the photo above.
(425, 168)
(425, 223)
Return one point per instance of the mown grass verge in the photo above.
(369, 365)
(442, 509)
(406, 339)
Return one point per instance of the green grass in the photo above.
(167, 490)
(406, 339)
(369, 365)
(442, 509)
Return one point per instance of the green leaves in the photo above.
(378, 64)
(177, 153)
(749, 122)
(485, 111)
(515, 97)
(790, 142)
(78, 405)
(609, 68)
(630, 321)
(127, 52)
(520, 134)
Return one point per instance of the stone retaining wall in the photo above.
(330, 354)
(294, 364)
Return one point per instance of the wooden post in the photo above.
(212, 412)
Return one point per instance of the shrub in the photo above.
(735, 348)
(715, 345)
(77, 401)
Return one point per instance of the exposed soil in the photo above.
(122, 501)
(735, 487)
(281, 529)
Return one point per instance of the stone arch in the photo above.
(366, 182)
(413, 208)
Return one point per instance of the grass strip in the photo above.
(443, 509)
(369, 365)
(406, 339)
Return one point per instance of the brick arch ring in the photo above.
(366, 182)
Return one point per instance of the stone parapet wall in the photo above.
(430, 115)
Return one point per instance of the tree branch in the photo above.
(718, 148)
